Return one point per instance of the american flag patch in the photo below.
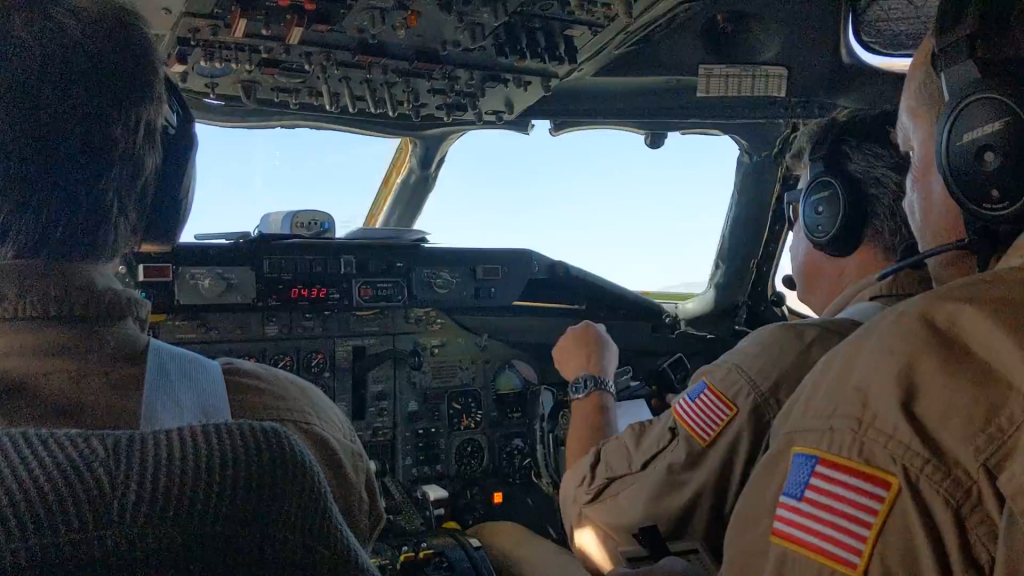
(703, 411)
(832, 509)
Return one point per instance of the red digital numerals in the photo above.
(303, 293)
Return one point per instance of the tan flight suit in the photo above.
(927, 401)
(73, 349)
(657, 472)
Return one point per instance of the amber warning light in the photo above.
(498, 498)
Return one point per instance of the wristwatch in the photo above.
(584, 384)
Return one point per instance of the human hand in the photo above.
(586, 348)
(669, 566)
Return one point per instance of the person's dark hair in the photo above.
(861, 144)
(81, 103)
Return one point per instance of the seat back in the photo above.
(234, 498)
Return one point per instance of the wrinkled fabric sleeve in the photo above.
(656, 472)
(263, 393)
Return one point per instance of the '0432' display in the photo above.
(300, 293)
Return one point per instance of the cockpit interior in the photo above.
(440, 354)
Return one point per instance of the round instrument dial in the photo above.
(250, 358)
(323, 386)
(465, 410)
(510, 385)
(470, 456)
(315, 362)
(283, 362)
(508, 380)
(516, 462)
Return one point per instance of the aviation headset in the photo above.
(176, 179)
(833, 207)
(979, 147)
(832, 211)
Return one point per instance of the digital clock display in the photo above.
(305, 293)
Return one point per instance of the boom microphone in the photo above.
(788, 282)
(961, 244)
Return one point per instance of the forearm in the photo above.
(593, 421)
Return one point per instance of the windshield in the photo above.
(243, 174)
(649, 220)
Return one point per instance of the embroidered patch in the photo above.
(832, 509)
(703, 411)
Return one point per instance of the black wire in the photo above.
(961, 244)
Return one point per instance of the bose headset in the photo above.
(833, 208)
(980, 135)
(832, 213)
(981, 130)
(176, 180)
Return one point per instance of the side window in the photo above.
(784, 268)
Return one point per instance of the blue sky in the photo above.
(646, 219)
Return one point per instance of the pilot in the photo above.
(684, 470)
(81, 111)
(902, 452)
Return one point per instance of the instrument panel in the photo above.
(435, 404)
(452, 422)
(372, 328)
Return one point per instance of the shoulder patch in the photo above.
(704, 411)
(832, 509)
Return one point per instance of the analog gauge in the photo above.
(469, 457)
(283, 362)
(315, 362)
(212, 284)
(465, 410)
(323, 386)
(510, 385)
(250, 358)
(516, 462)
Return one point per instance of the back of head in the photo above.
(81, 102)
(860, 145)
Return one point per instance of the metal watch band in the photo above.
(586, 384)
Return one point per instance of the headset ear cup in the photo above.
(175, 183)
(979, 152)
(833, 216)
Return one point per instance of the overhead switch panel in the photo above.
(424, 60)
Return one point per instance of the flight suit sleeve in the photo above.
(262, 393)
(684, 470)
(836, 501)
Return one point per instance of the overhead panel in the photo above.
(441, 61)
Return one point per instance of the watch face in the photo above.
(574, 388)
(579, 387)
